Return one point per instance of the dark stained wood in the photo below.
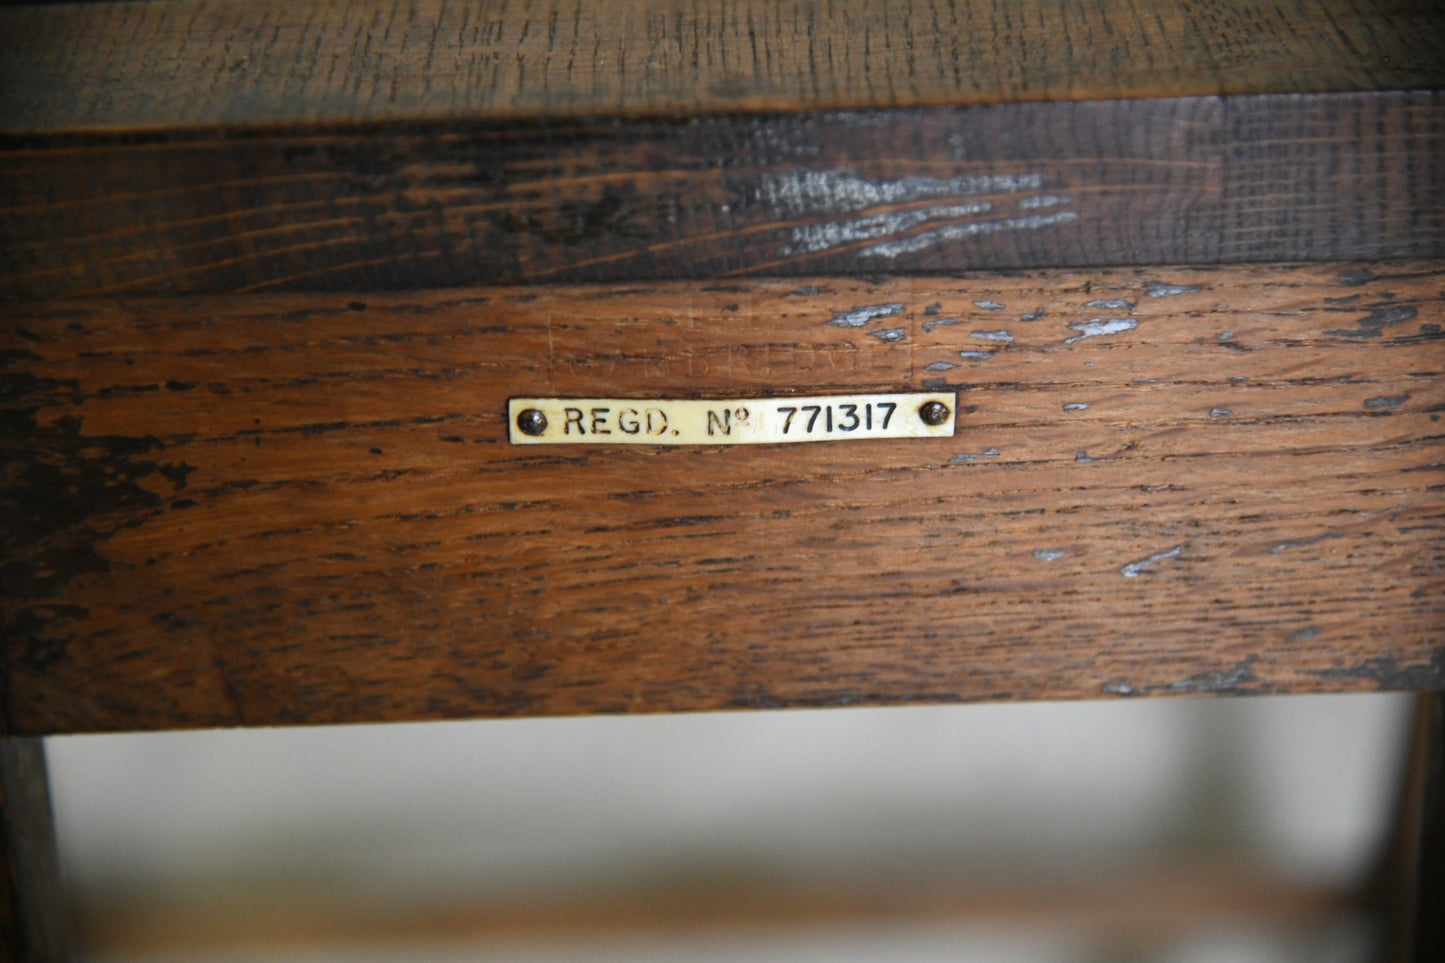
(32, 917)
(1393, 886)
(439, 205)
(303, 508)
(210, 62)
(1428, 930)
(1408, 887)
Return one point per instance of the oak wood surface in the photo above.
(393, 207)
(158, 63)
(303, 508)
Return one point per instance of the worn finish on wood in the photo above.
(285, 509)
(211, 62)
(32, 923)
(1023, 185)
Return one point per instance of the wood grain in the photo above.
(302, 508)
(453, 204)
(154, 63)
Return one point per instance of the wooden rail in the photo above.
(304, 508)
(148, 64)
(464, 203)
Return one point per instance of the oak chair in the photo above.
(271, 273)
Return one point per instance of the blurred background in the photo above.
(1185, 830)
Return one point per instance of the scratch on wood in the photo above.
(965, 457)
(1357, 277)
(1216, 681)
(857, 317)
(960, 232)
(1303, 542)
(1135, 569)
(1043, 200)
(841, 190)
(1227, 680)
(1161, 289)
(814, 238)
(1099, 327)
(1388, 673)
(1373, 323)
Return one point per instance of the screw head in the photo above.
(531, 422)
(933, 412)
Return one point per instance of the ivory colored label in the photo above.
(736, 421)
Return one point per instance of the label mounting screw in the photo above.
(531, 422)
(932, 412)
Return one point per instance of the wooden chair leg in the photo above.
(32, 913)
(1410, 886)
(1427, 923)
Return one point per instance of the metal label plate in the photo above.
(734, 421)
